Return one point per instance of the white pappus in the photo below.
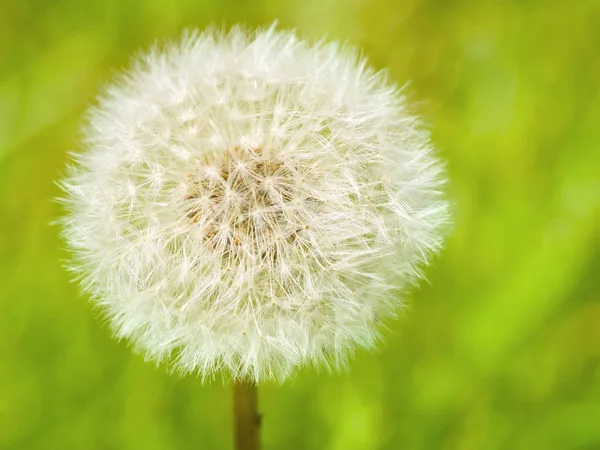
(246, 203)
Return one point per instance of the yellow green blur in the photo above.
(500, 350)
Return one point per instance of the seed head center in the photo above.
(243, 199)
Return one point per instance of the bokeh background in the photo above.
(500, 350)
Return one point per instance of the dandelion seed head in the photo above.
(249, 203)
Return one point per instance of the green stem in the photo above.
(246, 416)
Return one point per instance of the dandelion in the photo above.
(249, 203)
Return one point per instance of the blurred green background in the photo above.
(500, 350)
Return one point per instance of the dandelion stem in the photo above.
(246, 416)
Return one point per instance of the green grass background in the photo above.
(500, 350)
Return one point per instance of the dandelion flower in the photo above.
(248, 203)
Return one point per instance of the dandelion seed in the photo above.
(249, 203)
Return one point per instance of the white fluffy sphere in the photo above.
(246, 203)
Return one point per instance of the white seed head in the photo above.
(248, 203)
